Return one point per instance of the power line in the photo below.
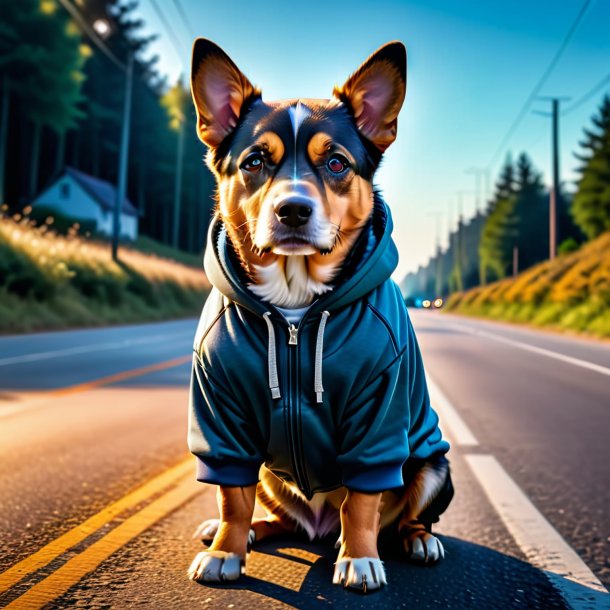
(91, 33)
(540, 83)
(587, 96)
(168, 28)
(183, 17)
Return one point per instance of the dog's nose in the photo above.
(293, 212)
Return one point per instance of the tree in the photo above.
(177, 102)
(498, 233)
(41, 58)
(591, 204)
(531, 221)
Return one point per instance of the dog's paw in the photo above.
(207, 530)
(216, 566)
(422, 547)
(362, 574)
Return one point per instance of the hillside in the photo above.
(570, 293)
(50, 281)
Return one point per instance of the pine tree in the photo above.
(591, 204)
(498, 234)
(531, 212)
(41, 58)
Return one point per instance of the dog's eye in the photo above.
(337, 164)
(253, 163)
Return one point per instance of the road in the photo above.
(98, 498)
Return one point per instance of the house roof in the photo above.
(103, 192)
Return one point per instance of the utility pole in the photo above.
(178, 185)
(123, 158)
(555, 194)
(554, 201)
(437, 254)
(480, 172)
(97, 31)
(515, 260)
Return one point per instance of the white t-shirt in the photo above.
(293, 316)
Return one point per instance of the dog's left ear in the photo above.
(375, 93)
(220, 92)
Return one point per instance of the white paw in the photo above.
(207, 530)
(424, 549)
(364, 573)
(215, 566)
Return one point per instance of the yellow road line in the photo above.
(60, 545)
(75, 569)
(96, 383)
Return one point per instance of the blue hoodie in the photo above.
(340, 399)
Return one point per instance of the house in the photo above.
(85, 198)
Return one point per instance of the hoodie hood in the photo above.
(376, 266)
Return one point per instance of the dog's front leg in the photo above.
(226, 557)
(358, 565)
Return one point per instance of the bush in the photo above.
(571, 292)
(48, 280)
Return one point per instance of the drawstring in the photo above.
(274, 384)
(317, 383)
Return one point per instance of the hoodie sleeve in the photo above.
(389, 421)
(425, 436)
(221, 435)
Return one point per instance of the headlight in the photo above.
(426, 303)
(438, 303)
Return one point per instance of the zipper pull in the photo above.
(293, 330)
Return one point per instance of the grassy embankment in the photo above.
(570, 293)
(51, 281)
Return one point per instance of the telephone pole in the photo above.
(555, 194)
(480, 172)
(121, 191)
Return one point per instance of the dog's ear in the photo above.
(220, 91)
(375, 93)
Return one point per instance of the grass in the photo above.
(52, 281)
(570, 293)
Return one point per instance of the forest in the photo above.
(61, 105)
(512, 233)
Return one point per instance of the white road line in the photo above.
(458, 431)
(585, 364)
(83, 349)
(538, 539)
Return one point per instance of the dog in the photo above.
(308, 390)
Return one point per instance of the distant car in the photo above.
(436, 303)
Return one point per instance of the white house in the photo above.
(83, 197)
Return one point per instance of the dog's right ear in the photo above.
(219, 90)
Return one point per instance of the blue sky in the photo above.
(471, 66)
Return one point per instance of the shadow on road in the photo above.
(471, 576)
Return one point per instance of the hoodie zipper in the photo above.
(293, 408)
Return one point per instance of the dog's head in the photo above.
(295, 177)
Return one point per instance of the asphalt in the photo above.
(64, 457)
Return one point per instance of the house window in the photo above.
(64, 190)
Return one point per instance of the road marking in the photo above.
(538, 539)
(458, 431)
(122, 376)
(78, 567)
(42, 398)
(83, 349)
(66, 541)
(585, 364)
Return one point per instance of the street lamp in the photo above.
(97, 31)
(102, 27)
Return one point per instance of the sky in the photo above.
(471, 67)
